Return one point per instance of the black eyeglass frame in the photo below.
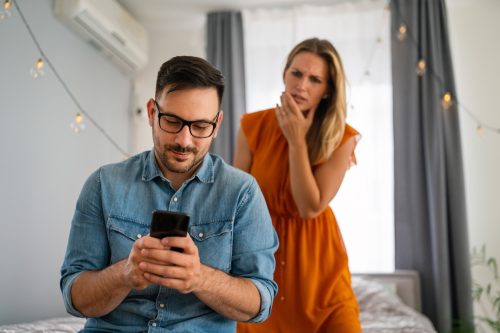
(187, 123)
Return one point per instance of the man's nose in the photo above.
(184, 138)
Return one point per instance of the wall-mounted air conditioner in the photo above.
(106, 25)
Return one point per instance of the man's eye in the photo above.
(201, 126)
(172, 121)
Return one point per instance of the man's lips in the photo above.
(180, 155)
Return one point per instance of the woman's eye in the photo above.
(296, 74)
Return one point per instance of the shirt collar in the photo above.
(151, 170)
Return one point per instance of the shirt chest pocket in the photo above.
(215, 243)
(122, 234)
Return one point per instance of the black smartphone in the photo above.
(169, 224)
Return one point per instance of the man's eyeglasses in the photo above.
(173, 124)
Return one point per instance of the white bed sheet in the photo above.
(383, 312)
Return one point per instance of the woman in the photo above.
(299, 153)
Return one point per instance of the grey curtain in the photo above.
(430, 213)
(225, 51)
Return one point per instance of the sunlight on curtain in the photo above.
(364, 204)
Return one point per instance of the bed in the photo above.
(388, 302)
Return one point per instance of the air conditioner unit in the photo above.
(106, 25)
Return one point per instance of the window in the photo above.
(364, 204)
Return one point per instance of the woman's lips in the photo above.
(298, 99)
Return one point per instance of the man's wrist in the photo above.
(120, 272)
(205, 273)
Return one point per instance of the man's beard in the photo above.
(197, 159)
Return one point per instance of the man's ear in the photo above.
(151, 111)
(219, 121)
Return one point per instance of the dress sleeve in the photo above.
(251, 124)
(350, 132)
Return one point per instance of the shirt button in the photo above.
(175, 199)
(162, 305)
(201, 235)
(139, 235)
(282, 263)
(154, 324)
(282, 298)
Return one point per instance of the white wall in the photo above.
(183, 33)
(43, 163)
(474, 27)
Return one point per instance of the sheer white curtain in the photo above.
(364, 204)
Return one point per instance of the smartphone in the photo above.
(169, 224)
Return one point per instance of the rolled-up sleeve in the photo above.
(88, 248)
(255, 242)
(66, 292)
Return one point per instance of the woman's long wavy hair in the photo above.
(328, 125)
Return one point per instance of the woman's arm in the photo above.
(312, 192)
(242, 153)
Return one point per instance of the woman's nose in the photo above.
(301, 84)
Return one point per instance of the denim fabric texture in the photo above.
(230, 225)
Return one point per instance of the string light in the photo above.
(376, 44)
(446, 100)
(402, 32)
(421, 67)
(77, 125)
(479, 130)
(5, 11)
(38, 70)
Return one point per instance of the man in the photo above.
(122, 279)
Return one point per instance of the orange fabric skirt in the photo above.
(314, 284)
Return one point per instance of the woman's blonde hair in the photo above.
(328, 125)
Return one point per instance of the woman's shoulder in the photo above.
(350, 132)
(258, 116)
(258, 121)
(257, 124)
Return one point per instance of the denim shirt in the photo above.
(230, 225)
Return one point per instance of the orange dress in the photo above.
(314, 282)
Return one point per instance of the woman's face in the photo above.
(307, 80)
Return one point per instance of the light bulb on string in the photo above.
(479, 130)
(77, 125)
(38, 70)
(421, 67)
(446, 101)
(5, 10)
(402, 31)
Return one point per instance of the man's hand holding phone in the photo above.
(169, 224)
(170, 257)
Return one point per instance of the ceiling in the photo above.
(160, 10)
